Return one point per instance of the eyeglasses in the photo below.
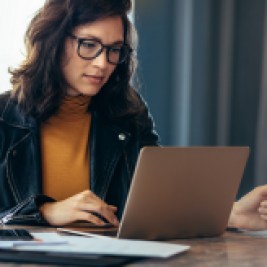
(91, 48)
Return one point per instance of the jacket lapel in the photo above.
(23, 150)
(106, 148)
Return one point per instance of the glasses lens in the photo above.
(89, 49)
(117, 54)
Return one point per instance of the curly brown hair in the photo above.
(38, 83)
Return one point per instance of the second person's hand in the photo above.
(250, 211)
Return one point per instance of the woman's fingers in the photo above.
(105, 211)
(87, 216)
(102, 209)
(92, 203)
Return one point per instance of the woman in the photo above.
(72, 126)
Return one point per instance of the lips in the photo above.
(94, 79)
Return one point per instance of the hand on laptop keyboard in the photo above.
(85, 206)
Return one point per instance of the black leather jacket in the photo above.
(113, 154)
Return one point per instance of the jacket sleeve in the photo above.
(26, 209)
(26, 212)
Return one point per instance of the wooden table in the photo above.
(231, 249)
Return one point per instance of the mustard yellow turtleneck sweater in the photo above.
(65, 149)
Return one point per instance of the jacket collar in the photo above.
(12, 115)
(107, 143)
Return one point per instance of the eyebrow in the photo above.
(98, 39)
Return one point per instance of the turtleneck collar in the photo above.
(74, 107)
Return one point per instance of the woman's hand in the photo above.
(250, 212)
(79, 207)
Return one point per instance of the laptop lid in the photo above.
(181, 192)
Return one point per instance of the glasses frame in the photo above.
(80, 41)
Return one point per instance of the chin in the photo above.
(90, 92)
(84, 91)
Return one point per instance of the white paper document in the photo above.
(111, 246)
(40, 239)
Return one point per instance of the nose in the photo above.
(101, 60)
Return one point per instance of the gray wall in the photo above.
(200, 68)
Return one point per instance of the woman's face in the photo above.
(88, 76)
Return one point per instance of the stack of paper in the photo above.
(104, 246)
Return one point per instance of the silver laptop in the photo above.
(182, 192)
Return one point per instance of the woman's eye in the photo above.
(89, 45)
(115, 50)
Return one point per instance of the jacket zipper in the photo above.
(8, 217)
(10, 179)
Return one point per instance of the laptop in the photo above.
(182, 192)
